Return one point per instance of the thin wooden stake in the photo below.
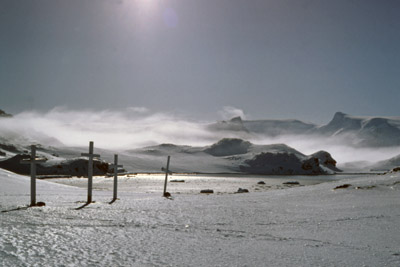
(33, 161)
(166, 177)
(90, 155)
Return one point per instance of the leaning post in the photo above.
(115, 166)
(166, 177)
(33, 161)
(90, 155)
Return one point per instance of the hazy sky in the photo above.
(300, 59)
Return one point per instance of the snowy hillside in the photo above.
(231, 155)
(388, 164)
(354, 225)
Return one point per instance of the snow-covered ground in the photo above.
(302, 226)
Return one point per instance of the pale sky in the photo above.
(274, 59)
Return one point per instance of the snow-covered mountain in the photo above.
(357, 131)
(366, 131)
(270, 128)
(231, 155)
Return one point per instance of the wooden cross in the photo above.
(115, 166)
(166, 178)
(33, 161)
(90, 155)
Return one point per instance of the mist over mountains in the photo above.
(359, 131)
(355, 143)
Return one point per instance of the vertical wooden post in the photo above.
(33, 175)
(115, 166)
(115, 176)
(90, 155)
(33, 161)
(166, 177)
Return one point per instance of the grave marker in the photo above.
(166, 178)
(33, 161)
(90, 155)
(115, 166)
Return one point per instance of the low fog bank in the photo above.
(137, 127)
(119, 130)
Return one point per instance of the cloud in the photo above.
(140, 110)
(131, 128)
(229, 112)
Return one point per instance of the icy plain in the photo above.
(304, 226)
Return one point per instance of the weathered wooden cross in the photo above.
(90, 155)
(115, 166)
(166, 178)
(33, 161)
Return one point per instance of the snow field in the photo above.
(302, 226)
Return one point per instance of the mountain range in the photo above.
(358, 131)
(228, 155)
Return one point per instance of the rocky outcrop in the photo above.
(228, 147)
(326, 159)
(4, 114)
(72, 167)
(281, 163)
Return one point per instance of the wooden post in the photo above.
(115, 166)
(90, 155)
(166, 177)
(33, 161)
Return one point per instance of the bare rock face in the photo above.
(228, 147)
(281, 163)
(72, 167)
(326, 159)
(9, 148)
(4, 114)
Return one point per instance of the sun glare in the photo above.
(146, 6)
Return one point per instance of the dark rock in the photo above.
(291, 183)
(310, 164)
(228, 147)
(9, 148)
(242, 190)
(207, 191)
(274, 163)
(326, 159)
(177, 181)
(73, 167)
(342, 186)
(261, 182)
(4, 114)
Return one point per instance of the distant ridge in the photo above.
(358, 131)
(4, 114)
